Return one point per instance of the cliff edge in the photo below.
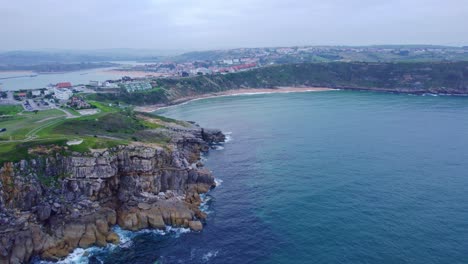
(58, 200)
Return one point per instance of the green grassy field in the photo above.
(110, 127)
(28, 124)
(10, 109)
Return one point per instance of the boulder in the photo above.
(213, 136)
(195, 225)
(113, 238)
(156, 221)
(144, 206)
(89, 237)
(43, 212)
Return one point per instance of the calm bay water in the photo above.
(17, 80)
(328, 177)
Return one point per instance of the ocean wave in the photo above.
(206, 203)
(82, 256)
(228, 137)
(178, 231)
(218, 147)
(126, 236)
(77, 256)
(211, 254)
(218, 182)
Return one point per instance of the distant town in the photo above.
(234, 60)
(69, 95)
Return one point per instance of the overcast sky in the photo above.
(213, 24)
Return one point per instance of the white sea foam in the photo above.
(430, 94)
(205, 206)
(126, 237)
(77, 256)
(218, 182)
(211, 254)
(80, 255)
(228, 137)
(178, 231)
(218, 147)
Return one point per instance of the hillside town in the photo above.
(64, 94)
(235, 60)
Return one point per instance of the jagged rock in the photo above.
(201, 215)
(144, 206)
(213, 136)
(89, 236)
(136, 186)
(156, 221)
(195, 225)
(113, 238)
(43, 212)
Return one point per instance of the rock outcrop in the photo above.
(50, 205)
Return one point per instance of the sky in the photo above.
(221, 24)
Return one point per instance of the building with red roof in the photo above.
(63, 85)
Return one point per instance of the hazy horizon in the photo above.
(210, 24)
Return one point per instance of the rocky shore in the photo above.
(57, 201)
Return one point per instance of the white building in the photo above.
(62, 93)
(36, 92)
(95, 83)
(110, 85)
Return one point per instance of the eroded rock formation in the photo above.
(50, 205)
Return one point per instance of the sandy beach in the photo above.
(246, 91)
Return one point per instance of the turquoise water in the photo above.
(327, 177)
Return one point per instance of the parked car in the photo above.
(2, 129)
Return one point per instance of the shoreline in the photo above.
(234, 92)
(134, 74)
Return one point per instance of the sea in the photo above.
(27, 80)
(322, 177)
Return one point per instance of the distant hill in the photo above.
(417, 78)
(307, 54)
(267, 55)
(25, 58)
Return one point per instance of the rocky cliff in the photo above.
(53, 203)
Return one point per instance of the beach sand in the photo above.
(246, 91)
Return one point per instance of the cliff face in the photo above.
(51, 204)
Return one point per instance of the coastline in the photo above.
(234, 92)
(81, 218)
(16, 72)
(134, 74)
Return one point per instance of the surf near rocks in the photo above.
(51, 204)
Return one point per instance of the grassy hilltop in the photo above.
(421, 77)
(28, 132)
